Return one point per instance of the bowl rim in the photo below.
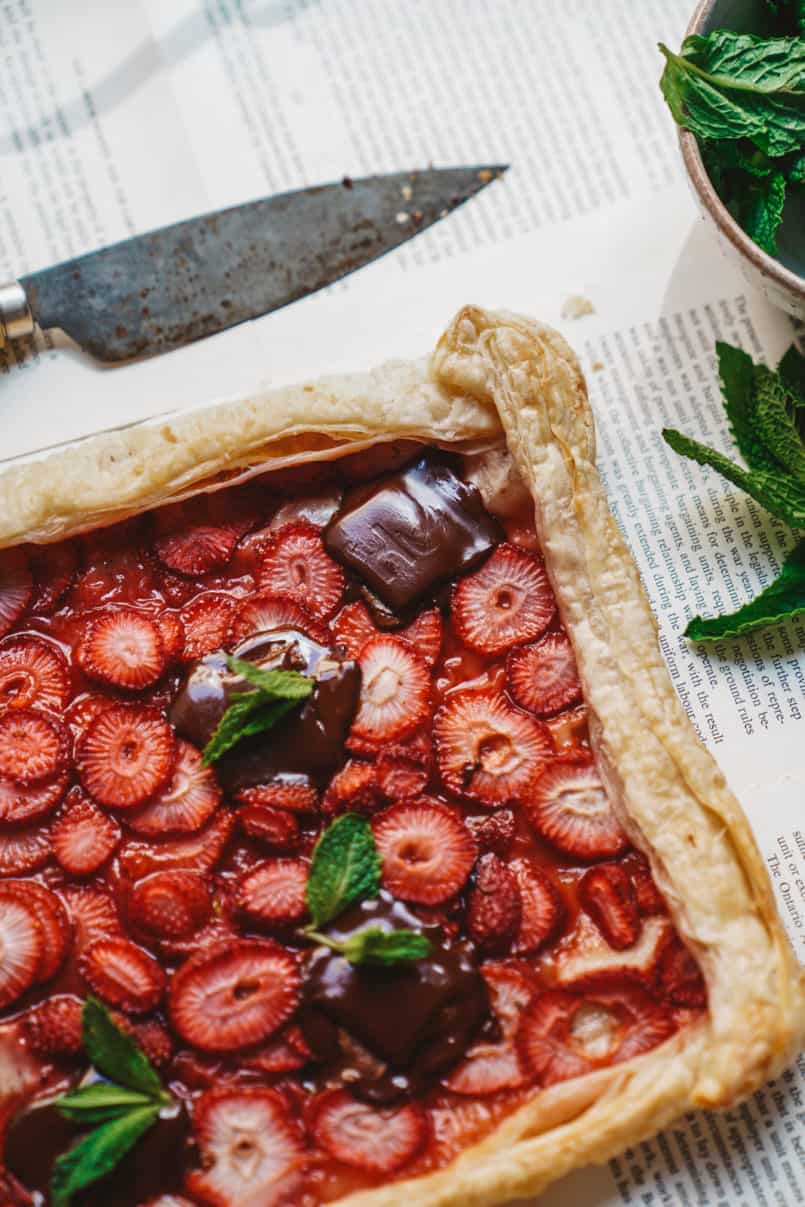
(701, 182)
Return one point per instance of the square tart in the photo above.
(631, 963)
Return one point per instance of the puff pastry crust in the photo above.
(498, 377)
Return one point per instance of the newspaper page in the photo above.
(112, 122)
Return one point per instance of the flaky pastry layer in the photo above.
(497, 376)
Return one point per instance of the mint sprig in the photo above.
(276, 693)
(345, 868)
(125, 1106)
(377, 946)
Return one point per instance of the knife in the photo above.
(169, 287)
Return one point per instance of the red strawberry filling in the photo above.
(447, 713)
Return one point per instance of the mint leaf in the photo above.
(387, 947)
(254, 712)
(98, 1153)
(116, 1055)
(775, 412)
(777, 492)
(698, 106)
(98, 1101)
(284, 685)
(750, 63)
(758, 209)
(782, 600)
(345, 868)
(737, 377)
(792, 373)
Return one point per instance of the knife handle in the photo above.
(16, 320)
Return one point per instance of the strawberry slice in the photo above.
(23, 848)
(172, 633)
(570, 732)
(276, 828)
(33, 746)
(274, 893)
(649, 898)
(200, 852)
(286, 1053)
(352, 628)
(264, 613)
(21, 945)
(488, 750)
(53, 1028)
(125, 756)
(354, 788)
(564, 1034)
(608, 896)
(427, 851)
(295, 794)
(20, 804)
(234, 995)
(83, 710)
(403, 770)
(297, 566)
(569, 807)
(493, 832)
(123, 648)
(680, 976)
(54, 568)
(187, 801)
(494, 906)
(543, 912)
(587, 959)
(490, 1067)
(16, 587)
(123, 974)
(377, 1139)
(507, 602)
(205, 621)
(251, 1151)
(149, 1035)
(33, 672)
(543, 677)
(395, 691)
(93, 915)
(189, 541)
(52, 917)
(84, 837)
(170, 905)
(425, 635)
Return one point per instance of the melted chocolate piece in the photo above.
(308, 743)
(154, 1166)
(410, 531)
(385, 1032)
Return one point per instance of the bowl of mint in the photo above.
(736, 89)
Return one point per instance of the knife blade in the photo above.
(166, 288)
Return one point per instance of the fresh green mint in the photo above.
(765, 411)
(125, 1106)
(345, 868)
(276, 693)
(377, 946)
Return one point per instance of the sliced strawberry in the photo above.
(491, 1067)
(52, 918)
(263, 613)
(378, 1139)
(84, 837)
(274, 893)
(488, 750)
(21, 945)
(680, 976)
(250, 1149)
(297, 566)
(543, 677)
(83, 710)
(16, 587)
(294, 794)
(507, 602)
(285, 1053)
(170, 905)
(569, 806)
(276, 828)
(123, 648)
(123, 974)
(352, 628)
(206, 621)
(93, 915)
(54, 568)
(543, 912)
(23, 848)
(456, 1124)
(494, 907)
(33, 673)
(354, 788)
(200, 852)
(20, 804)
(493, 832)
(587, 959)
(403, 770)
(189, 541)
(149, 1035)
(395, 691)
(234, 995)
(565, 1034)
(426, 849)
(570, 732)
(649, 898)
(424, 635)
(125, 756)
(608, 896)
(53, 1028)
(33, 746)
(172, 632)
(187, 801)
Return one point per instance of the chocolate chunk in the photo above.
(384, 1031)
(410, 531)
